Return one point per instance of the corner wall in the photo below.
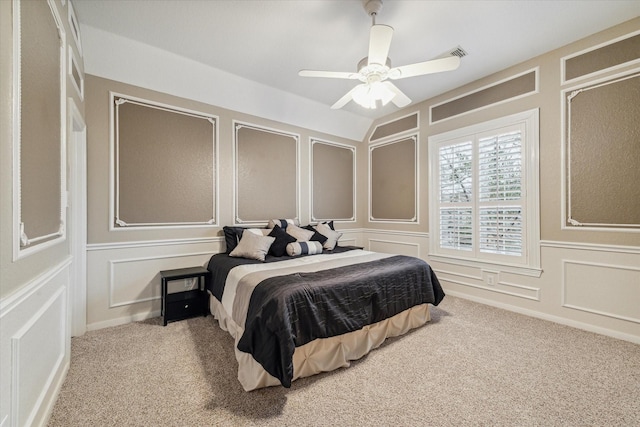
(590, 277)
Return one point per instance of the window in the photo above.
(484, 190)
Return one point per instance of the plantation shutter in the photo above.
(456, 191)
(500, 202)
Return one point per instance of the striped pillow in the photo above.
(304, 248)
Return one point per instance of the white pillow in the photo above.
(304, 248)
(252, 246)
(331, 235)
(300, 234)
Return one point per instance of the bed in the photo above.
(314, 308)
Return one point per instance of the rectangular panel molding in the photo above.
(164, 165)
(604, 289)
(603, 154)
(602, 58)
(514, 87)
(267, 175)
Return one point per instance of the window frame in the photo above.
(529, 262)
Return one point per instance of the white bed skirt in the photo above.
(320, 355)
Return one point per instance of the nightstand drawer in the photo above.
(184, 308)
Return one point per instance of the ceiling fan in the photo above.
(375, 70)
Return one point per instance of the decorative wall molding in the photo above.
(395, 135)
(152, 243)
(536, 89)
(116, 222)
(237, 127)
(27, 352)
(24, 245)
(574, 219)
(478, 282)
(611, 290)
(416, 196)
(36, 338)
(327, 170)
(590, 247)
(564, 59)
(415, 247)
(113, 265)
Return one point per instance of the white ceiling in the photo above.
(269, 41)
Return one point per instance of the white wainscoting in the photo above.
(123, 282)
(35, 345)
(124, 278)
(587, 286)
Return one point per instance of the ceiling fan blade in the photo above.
(346, 98)
(428, 67)
(379, 43)
(328, 74)
(400, 99)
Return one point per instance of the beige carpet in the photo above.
(472, 365)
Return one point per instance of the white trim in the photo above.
(487, 265)
(536, 70)
(565, 132)
(548, 317)
(137, 317)
(564, 59)
(530, 261)
(237, 125)
(416, 195)
(491, 288)
(77, 132)
(395, 242)
(396, 232)
(563, 290)
(396, 135)
(12, 301)
(114, 171)
(312, 141)
(634, 250)
(74, 25)
(112, 284)
(15, 360)
(152, 243)
(73, 64)
(21, 241)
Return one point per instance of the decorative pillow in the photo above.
(331, 235)
(260, 231)
(304, 248)
(316, 236)
(283, 223)
(330, 224)
(300, 234)
(232, 236)
(279, 246)
(252, 246)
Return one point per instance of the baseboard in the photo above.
(551, 318)
(122, 320)
(47, 408)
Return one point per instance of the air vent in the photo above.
(459, 52)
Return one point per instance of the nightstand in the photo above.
(184, 303)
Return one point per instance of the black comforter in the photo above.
(291, 310)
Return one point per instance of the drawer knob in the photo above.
(186, 306)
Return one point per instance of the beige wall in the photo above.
(36, 289)
(14, 275)
(588, 278)
(97, 117)
(549, 101)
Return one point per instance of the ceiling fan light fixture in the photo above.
(368, 95)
